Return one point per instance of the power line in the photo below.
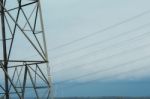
(106, 69)
(103, 49)
(104, 78)
(93, 33)
(103, 41)
(102, 30)
(100, 42)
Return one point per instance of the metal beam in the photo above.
(4, 48)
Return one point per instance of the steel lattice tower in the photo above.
(23, 75)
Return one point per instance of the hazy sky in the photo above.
(114, 44)
(95, 47)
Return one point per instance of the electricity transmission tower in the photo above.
(21, 36)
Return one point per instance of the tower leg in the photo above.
(4, 49)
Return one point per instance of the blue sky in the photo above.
(117, 54)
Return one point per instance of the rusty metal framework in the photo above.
(22, 35)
